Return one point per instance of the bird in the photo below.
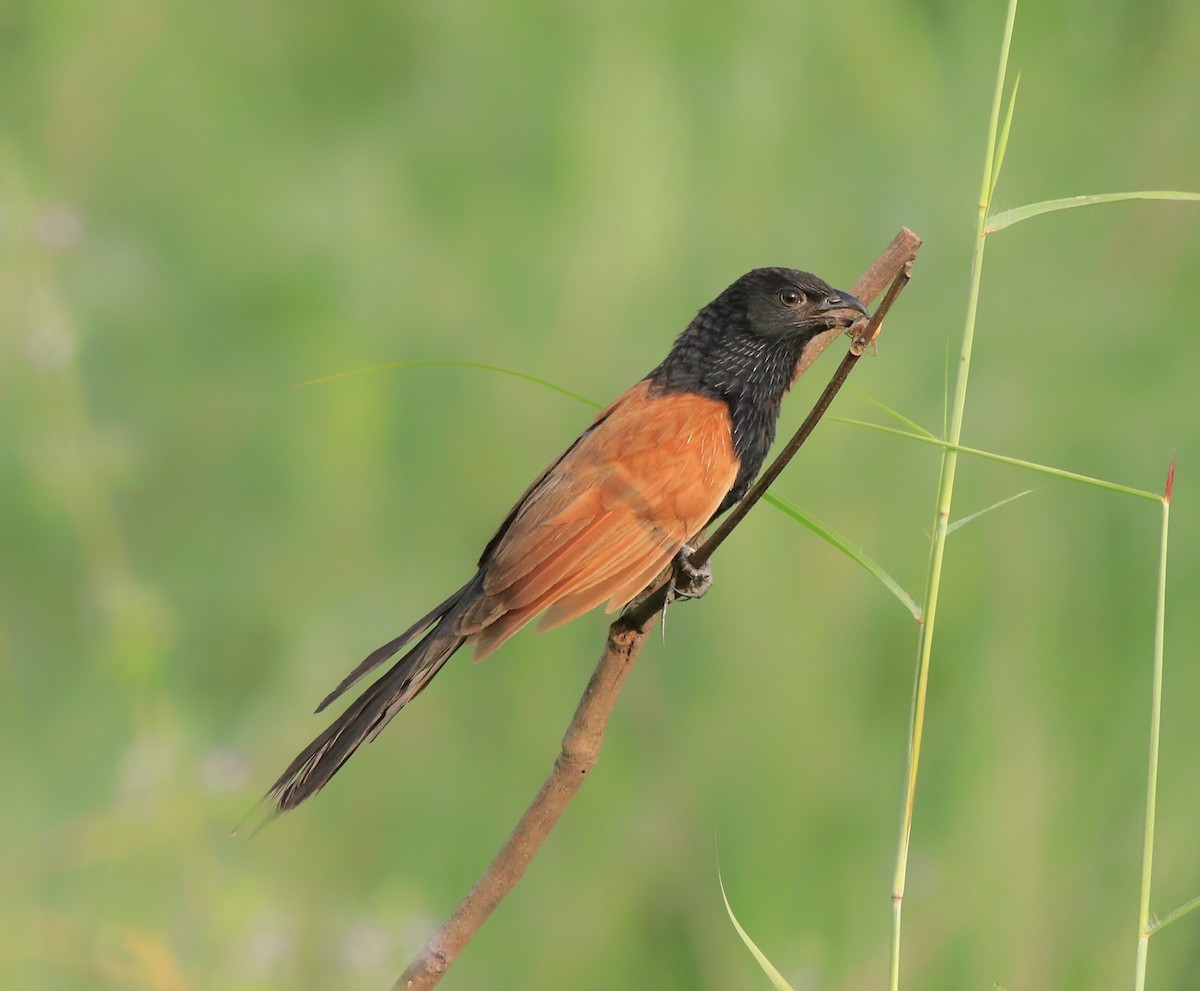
(617, 507)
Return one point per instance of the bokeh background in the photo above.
(204, 204)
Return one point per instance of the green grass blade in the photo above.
(911, 424)
(1175, 915)
(854, 553)
(768, 968)
(974, 516)
(1070, 476)
(447, 364)
(1002, 147)
(1006, 218)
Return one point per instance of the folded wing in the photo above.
(608, 517)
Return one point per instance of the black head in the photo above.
(751, 338)
(787, 303)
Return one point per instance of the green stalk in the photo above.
(991, 169)
(1160, 613)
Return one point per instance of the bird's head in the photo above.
(758, 335)
(784, 313)
(787, 303)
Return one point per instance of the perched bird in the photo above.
(613, 511)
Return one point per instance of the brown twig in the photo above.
(580, 750)
(585, 734)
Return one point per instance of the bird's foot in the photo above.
(688, 582)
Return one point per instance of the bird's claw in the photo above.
(688, 582)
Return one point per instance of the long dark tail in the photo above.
(371, 711)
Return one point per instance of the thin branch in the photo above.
(580, 750)
(585, 735)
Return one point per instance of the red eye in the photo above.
(791, 297)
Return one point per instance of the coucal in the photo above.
(613, 511)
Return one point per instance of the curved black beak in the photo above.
(842, 300)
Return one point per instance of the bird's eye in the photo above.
(791, 297)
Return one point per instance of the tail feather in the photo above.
(365, 717)
(381, 654)
(375, 707)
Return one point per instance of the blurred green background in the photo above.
(204, 204)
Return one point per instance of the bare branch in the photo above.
(580, 751)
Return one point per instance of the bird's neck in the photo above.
(749, 373)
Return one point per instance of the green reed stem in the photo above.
(1160, 614)
(944, 497)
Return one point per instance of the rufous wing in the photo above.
(609, 516)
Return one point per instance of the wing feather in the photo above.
(608, 516)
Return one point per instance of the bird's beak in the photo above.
(842, 304)
(842, 300)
